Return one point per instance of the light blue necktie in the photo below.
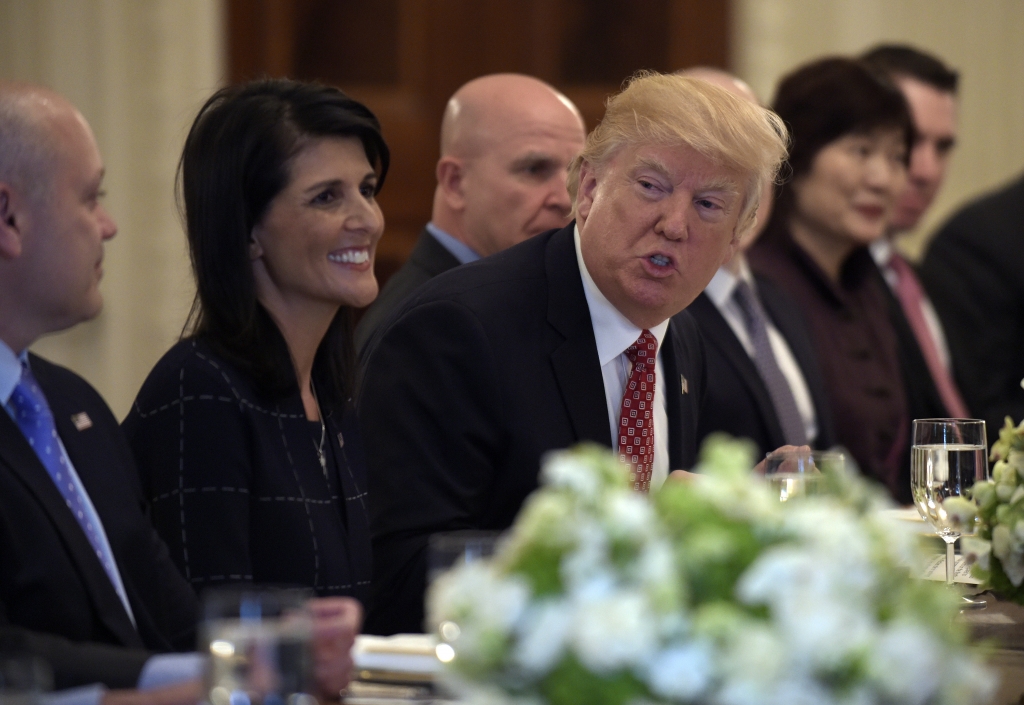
(34, 418)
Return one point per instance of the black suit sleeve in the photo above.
(430, 406)
(75, 664)
(972, 272)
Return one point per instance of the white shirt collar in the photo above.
(459, 250)
(10, 371)
(881, 251)
(612, 331)
(721, 287)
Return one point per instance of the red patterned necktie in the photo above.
(636, 420)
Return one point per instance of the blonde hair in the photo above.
(672, 110)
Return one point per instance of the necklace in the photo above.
(319, 447)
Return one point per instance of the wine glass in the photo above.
(797, 473)
(947, 457)
(258, 642)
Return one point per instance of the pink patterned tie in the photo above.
(636, 420)
(911, 296)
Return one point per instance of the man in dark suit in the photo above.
(506, 144)
(974, 271)
(930, 88)
(564, 338)
(763, 378)
(84, 580)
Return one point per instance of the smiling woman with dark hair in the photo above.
(851, 136)
(244, 432)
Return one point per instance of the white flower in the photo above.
(628, 514)
(573, 472)
(542, 635)
(1007, 549)
(656, 571)
(481, 602)
(682, 672)
(613, 631)
(967, 680)
(589, 560)
(755, 655)
(546, 517)
(976, 551)
(906, 662)
(1016, 461)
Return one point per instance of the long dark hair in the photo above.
(236, 159)
(823, 101)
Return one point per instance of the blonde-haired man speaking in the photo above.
(566, 337)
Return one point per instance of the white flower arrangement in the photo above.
(705, 592)
(998, 550)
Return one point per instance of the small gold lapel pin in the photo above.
(81, 420)
(684, 385)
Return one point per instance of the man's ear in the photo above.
(450, 172)
(10, 223)
(586, 192)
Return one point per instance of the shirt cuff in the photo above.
(170, 669)
(86, 695)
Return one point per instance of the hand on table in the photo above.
(759, 468)
(336, 622)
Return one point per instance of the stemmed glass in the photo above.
(947, 457)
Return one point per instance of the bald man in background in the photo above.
(763, 379)
(506, 144)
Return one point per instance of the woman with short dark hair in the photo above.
(244, 432)
(851, 135)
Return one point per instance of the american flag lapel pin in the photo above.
(684, 385)
(81, 420)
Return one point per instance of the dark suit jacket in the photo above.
(737, 399)
(236, 488)
(974, 274)
(428, 259)
(479, 374)
(52, 586)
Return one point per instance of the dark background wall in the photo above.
(404, 59)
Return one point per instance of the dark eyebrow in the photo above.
(532, 158)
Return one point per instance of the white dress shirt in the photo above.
(614, 333)
(720, 290)
(882, 252)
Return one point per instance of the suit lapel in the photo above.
(26, 465)
(719, 334)
(673, 400)
(574, 361)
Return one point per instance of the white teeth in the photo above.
(660, 260)
(350, 257)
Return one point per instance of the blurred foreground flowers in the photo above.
(705, 592)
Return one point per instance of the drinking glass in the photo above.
(447, 549)
(23, 678)
(947, 457)
(796, 473)
(258, 642)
